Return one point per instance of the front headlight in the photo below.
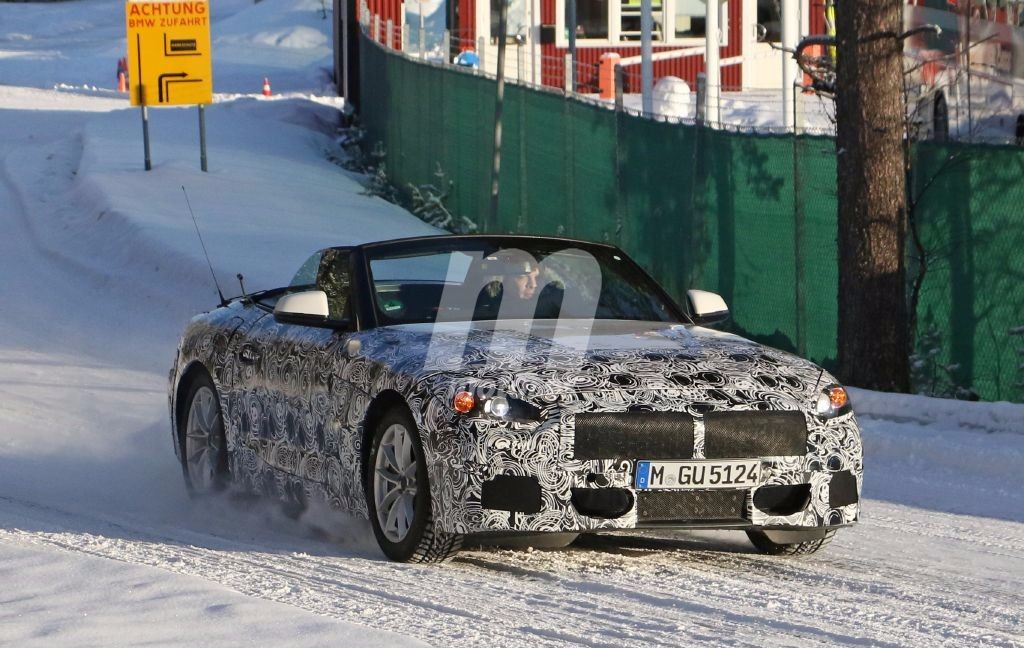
(495, 405)
(833, 401)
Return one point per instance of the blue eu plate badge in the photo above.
(643, 474)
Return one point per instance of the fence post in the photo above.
(702, 91)
(620, 80)
(376, 28)
(524, 201)
(800, 285)
(481, 43)
(391, 34)
(446, 46)
(798, 108)
(423, 35)
(568, 74)
(621, 203)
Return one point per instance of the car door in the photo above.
(292, 406)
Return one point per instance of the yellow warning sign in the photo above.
(169, 61)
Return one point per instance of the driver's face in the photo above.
(526, 284)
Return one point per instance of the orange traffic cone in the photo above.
(266, 87)
(122, 83)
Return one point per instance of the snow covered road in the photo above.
(99, 544)
(903, 577)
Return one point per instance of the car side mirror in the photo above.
(307, 308)
(707, 307)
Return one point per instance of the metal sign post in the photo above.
(202, 137)
(145, 129)
(145, 138)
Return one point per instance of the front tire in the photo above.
(204, 454)
(790, 543)
(398, 494)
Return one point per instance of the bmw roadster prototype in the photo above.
(456, 386)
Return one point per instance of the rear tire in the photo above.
(790, 543)
(204, 451)
(398, 494)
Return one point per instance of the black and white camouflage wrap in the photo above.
(294, 401)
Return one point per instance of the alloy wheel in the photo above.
(203, 441)
(394, 482)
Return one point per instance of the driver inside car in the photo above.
(516, 289)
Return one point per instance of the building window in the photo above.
(617, 22)
(516, 19)
(689, 19)
(591, 19)
(629, 19)
(769, 16)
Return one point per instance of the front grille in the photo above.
(690, 506)
(634, 435)
(737, 435)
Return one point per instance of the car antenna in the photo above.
(223, 302)
(820, 374)
(241, 284)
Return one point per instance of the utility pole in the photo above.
(790, 69)
(571, 10)
(499, 102)
(647, 57)
(712, 68)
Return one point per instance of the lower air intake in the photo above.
(691, 506)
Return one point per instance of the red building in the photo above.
(538, 40)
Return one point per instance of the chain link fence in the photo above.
(752, 217)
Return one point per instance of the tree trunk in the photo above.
(873, 335)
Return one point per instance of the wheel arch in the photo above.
(380, 405)
(194, 369)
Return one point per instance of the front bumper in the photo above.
(488, 476)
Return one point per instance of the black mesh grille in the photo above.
(737, 435)
(634, 435)
(690, 506)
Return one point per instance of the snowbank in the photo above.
(999, 417)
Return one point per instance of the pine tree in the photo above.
(870, 112)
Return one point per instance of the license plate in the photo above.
(681, 475)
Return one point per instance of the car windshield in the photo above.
(481, 279)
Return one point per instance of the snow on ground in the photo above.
(758, 110)
(163, 608)
(100, 270)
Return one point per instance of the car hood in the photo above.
(545, 364)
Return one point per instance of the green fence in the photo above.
(751, 217)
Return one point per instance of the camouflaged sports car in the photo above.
(458, 386)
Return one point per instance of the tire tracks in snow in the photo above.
(417, 600)
(616, 593)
